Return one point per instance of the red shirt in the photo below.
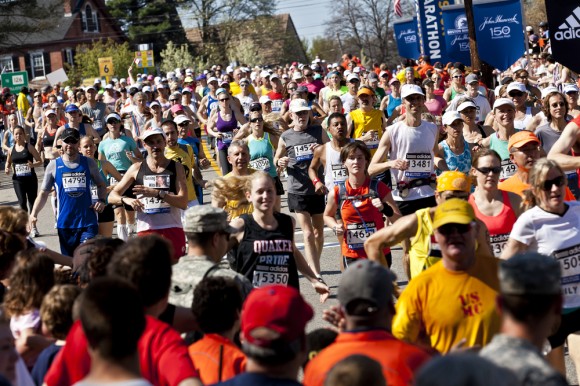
(163, 357)
(398, 359)
(205, 353)
(355, 232)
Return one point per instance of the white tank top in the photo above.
(521, 124)
(334, 171)
(414, 144)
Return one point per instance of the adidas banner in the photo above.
(406, 37)
(431, 30)
(456, 35)
(499, 31)
(564, 27)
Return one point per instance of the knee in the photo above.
(309, 235)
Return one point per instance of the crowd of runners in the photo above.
(153, 284)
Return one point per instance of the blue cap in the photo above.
(71, 108)
(200, 77)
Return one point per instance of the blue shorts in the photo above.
(70, 238)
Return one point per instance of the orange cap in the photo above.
(365, 90)
(520, 138)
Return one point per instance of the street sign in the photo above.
(146, 59)
(15, 81)
(106, 66)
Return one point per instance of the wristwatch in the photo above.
(162, 194)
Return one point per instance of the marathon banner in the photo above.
(564, 27)
(431, 30)
(456, 35)
(499, 31)
(407, 39)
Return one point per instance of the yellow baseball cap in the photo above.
(453, 211)
(453, 180)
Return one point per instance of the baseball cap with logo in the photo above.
(272, 315)
(453, 211)
(70, 133)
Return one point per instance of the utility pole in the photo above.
(339, 43)
(475, 62)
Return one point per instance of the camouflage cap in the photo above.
(205, 218)
(530, 273)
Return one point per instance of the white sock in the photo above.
(123, 231)
(132, 228)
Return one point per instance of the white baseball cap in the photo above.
(410, 89)
(212, 79)
(48, 112)
(570, 88)
(351, 77)
(265, 99)
(298, 105)
(450, 117)
(150, 132)
(465, 105)
(179, 119)
(517, 86)
(502, 102)
(297, 75)
(548, 90)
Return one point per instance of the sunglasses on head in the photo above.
(254, 120)
(558, 181)
(449, 229)
(494, 170)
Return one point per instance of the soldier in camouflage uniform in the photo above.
(530, 303)
(207, 232)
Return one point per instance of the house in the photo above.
(77, 22)
(277, 43)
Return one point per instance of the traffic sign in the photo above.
(15, 81)
(106, 66)
(146, 59)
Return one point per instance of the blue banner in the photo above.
(456, 35)
(407, 39)
(499, 31)
(430, 29)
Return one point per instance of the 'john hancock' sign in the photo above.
(407, 39)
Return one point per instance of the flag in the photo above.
(398, 10)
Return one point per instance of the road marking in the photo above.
(300, 246)
(210, 158)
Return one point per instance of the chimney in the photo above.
(67, 7)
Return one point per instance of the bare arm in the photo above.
(560, 151)
(512, 248)
(405, 228)
(319, 158)
(35, 155)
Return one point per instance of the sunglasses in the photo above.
(254, 120)
(173, 100)
(457, 76)
(225, 99)
(113, 121)
(58, 146)
(449, 229)
(572, 93)
(183, 124)
(291, 88)
(558, 181)
(308, 75)
(558, 104)
(494, 170)
(70, 141)
(516, 94)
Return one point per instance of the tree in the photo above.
(219, 20)
(149, 21)
(22, 18)
(174, 56)
(325, 48)
(87, 60)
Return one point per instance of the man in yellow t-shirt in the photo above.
(454, 300)
(183, 154)
(366, 123)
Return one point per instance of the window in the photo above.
(37, 64)
(69, 56)
(90, 20)
(6, 64)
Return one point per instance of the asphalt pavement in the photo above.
(330, 259)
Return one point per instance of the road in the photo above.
(330, 259)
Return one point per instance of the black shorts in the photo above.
(351, 260)
(570, 324)
(107, 215)
(279, 186)
(311, 203)
(408, 207)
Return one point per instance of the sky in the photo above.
(309, 16)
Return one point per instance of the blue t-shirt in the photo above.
(114, 151)
(43, 363)
(193, 142)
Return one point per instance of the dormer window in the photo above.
(90, 19)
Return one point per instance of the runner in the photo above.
(96, 111)
(524, 114)
(161, 191)
(366, 123)
(45, 144)
(454, 149)
(75, 122)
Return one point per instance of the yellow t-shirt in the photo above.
(365, 122)
(184, 155)
(235, 89)
(422, 245)
(444, 307)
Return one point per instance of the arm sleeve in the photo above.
(48, 181)
(523, 230)
(408, 319)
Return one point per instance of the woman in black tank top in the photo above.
(266, 253)
(22, 159)
(46, 145)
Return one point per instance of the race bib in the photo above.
(498, 243)
(420, 165)
(155, 205)
(261, 163)
(304, 152)
(112, 180)
(374, 141)
(357, 234)
(508, 169)
(277, 105)
(94, 193)
(22, 170)
(271, 269)
(338, 173)
(227, 137)
(569, 259)
(74, 182)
